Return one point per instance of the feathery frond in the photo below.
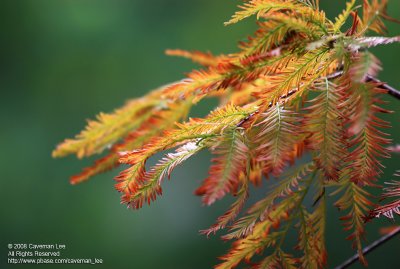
(373, 13)
(324, 123)
(261, 8)
(343, 17)
(107, 129)
(373, 41)
(195, 129)
(260, 238)
(226, 171)
(369, 142)
(260, 210)
(147, 188)
(354, 200)
(299, 74)
(160, 120)
(276, 138)
(269, 35)
(234, 210)
(205, 59)
(312, 236)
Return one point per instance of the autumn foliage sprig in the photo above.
(280, 100)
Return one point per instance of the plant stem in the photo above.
(369, 248)
(392, 91)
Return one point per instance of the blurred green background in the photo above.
(63, 62)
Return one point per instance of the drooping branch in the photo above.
(370, 248)
(265, 122)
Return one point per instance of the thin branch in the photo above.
(392, 91)
(369, 248)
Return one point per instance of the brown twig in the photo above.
(369, 248)
(392, 91)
